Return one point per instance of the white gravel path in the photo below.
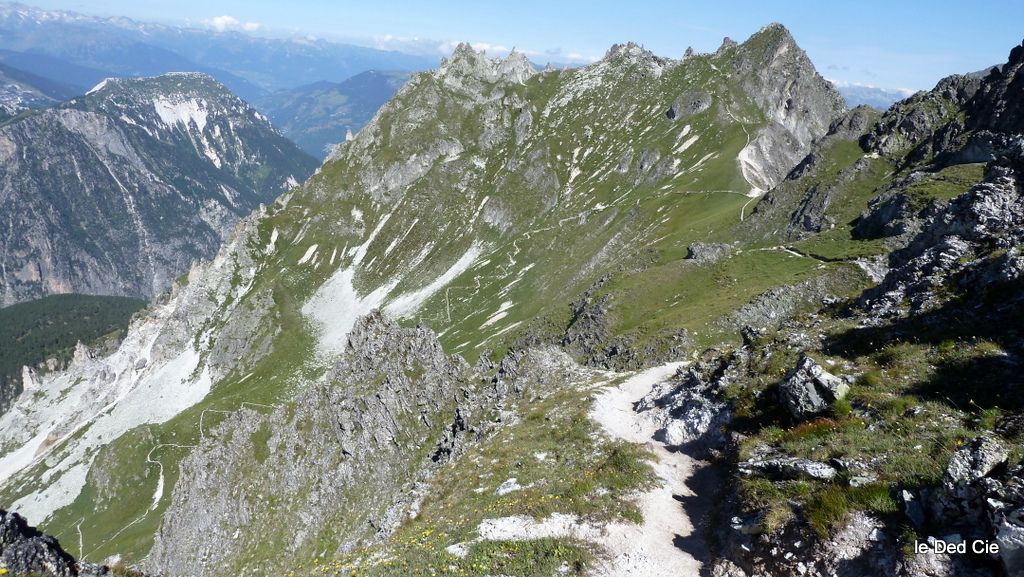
(649, 549)
(645, 550)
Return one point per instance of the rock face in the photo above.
(152, 175)
(801, 204)
(808, 389)
(921, 123)
(798, 102)
(950, 247)
(959, 499)
(336, 466)
(929, 125)
(26, 551)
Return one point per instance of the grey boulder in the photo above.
(809, 390)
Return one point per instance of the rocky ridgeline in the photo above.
(798, 102)
(340, 465)
(957, 260)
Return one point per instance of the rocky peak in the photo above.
(797, 101)
(466, 64)
(516, 67)
(633, 54)
(998, 105)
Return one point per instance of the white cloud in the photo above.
(428, 47)
(896, 90)
(486, 47)
(224, 23)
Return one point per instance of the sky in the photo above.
(892, 44)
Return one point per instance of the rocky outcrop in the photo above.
(787, 469)
(997, 105)
(772, 308)
(956, 122)
(338, 465)
(693, 102)
(949, 248)
(955, 243)
(808, 389)
(120, 191)
(923, 124)
(707, 253)
(26, 551)
(690, 409)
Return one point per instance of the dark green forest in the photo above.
(34, 331)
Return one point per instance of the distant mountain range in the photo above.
(873, 96)
(80, 50)
(320, 115)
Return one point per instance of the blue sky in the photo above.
(895, 44)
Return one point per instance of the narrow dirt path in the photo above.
(653, 548)
(666, 544)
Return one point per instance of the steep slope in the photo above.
(152, 175)
(483, 199)
(319, 116)
(42, 335)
